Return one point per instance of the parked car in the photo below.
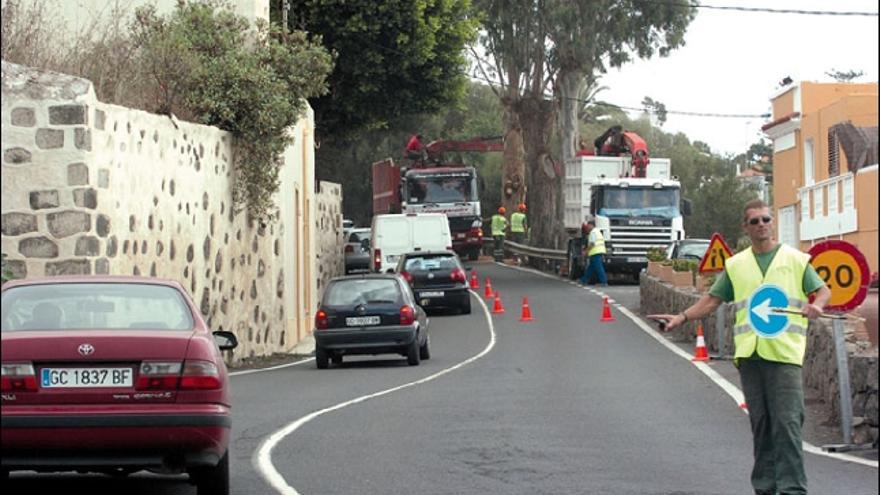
(687, 249)
(370, 314)
(438, 279)
(396, 234)
(115, 375)
(357, 250)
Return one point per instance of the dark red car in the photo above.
(113, 374)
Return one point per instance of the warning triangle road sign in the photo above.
(718, 252)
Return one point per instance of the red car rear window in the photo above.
(70, 306)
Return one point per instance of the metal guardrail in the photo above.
(535, 252)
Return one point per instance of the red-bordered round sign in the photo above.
(844, 269)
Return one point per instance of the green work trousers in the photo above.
(775, 398)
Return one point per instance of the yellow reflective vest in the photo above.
(598, 241)
(518, 222)
(499, 223)
(786, 271)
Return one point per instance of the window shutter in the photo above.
(833, 154)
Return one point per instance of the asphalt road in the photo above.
(564, 404)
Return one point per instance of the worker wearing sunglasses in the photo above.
(769, 367)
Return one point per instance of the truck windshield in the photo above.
(638, 202)
(422, 189)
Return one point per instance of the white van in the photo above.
(394, 235)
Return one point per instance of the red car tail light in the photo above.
(18, 377)
(200, 375)
(407, 315)
(407, 276)
(457, 275)
(158, 375)
(321, 322)
(377, 259)
(349, 248)
(476, 232)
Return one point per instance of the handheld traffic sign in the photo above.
(844, 269)
(762, 315)
(718, 252)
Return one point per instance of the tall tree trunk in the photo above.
(544, 200)
(513, 177)
(568, 86)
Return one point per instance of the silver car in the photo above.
(357, 250)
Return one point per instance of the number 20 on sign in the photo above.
(844, 269)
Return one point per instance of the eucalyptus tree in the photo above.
(533, 48)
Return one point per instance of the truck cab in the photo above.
(633, 213)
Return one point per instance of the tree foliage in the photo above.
(211, 66)
(845, 75)
(395, 58)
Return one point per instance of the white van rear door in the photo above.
(431, 233)
(394, 238)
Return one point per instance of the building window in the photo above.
(833, 154)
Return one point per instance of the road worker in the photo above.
(519, 226)
(769, 363)
(595, 252)
(499, 225)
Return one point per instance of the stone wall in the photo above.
(92, 188)
(329, 227)
(820, 364)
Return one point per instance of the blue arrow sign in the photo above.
(762, 319)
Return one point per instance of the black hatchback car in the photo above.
(437, 278)
(370, 314)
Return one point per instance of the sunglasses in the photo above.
(754, 221)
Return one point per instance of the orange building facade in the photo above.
(825, 167)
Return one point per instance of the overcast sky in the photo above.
(733, 62)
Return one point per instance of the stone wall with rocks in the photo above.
(93, 188)
(328, 224)
(820, 363)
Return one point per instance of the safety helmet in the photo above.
(522, 207)
(502, 210)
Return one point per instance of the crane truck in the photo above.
(429, 184)
(634, 200)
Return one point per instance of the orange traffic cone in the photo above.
(526, 312)
(499, 308)
(488, 293)
(475, 282)
(606, 310)
(700, 352)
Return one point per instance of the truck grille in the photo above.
(634, 241)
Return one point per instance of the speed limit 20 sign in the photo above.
(844, 269)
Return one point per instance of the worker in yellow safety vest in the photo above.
(769, 363)
(595, 253)
(499, 225)
(519, 225)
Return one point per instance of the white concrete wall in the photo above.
(95, 188)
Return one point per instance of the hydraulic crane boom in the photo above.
(481, 144)
(615, 142)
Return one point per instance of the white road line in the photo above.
(260, 370)
(262, 458)
(732, 390)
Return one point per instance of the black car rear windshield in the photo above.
(430, 262)
(72, 306)
(353, 292)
